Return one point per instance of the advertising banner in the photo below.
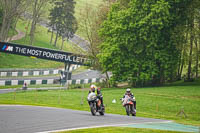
(43, 53)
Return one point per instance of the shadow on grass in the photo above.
(177, 83)
(196, 82)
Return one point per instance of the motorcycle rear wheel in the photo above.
(102, 110)
(101, 113)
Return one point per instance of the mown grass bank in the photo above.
(155, 102)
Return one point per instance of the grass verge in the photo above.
(118, 130)
(154, 102)
(30, 86)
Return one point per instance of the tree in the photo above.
(37, 12)
(1, 16)
(62, 19)
(194, 23)
(54, 20)
(197, 43)
(69, 26)
(90, 23)
(11, 9)
(138, 41)
(189, 47)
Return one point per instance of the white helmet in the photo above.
(128, 90)
(93, 86)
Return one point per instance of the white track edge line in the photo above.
(115, 125)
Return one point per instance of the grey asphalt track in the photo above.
(6, 91)
(31, 119)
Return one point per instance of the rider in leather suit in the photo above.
(128, 92)
(93, 88)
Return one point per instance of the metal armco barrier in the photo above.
(21, 73)
(49, 81)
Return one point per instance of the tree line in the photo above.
(146, 42)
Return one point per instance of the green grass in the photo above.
(30, 86)
(42, 38)
(154, 102)
(12, 33)
(15, 61)
(118, 130)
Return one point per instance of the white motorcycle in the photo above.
(95, 104)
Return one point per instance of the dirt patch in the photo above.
(122, 85)
(17, 37)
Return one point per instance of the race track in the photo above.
(31, 119)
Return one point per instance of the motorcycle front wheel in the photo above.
(127, 110)
(93, 108)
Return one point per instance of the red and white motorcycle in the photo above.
(128, 103)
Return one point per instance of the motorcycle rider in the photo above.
(93, 88)
(128, 92)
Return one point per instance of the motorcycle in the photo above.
(127, 102)
(95, 104)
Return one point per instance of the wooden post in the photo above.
(15, 94)
(59, 97)
(181, 112)
(157, 107)
(35, 95)
(82, 94)
(67, 67)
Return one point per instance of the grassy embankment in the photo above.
(155, 102)
(42, 39)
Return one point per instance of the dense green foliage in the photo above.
(155, 102)
(139, 43)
